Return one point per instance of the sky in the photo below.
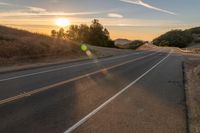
(131, 19)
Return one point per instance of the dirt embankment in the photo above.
(148, 46)
(192, 77)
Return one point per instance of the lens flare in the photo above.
(84, 47)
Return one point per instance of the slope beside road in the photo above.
(97, 52)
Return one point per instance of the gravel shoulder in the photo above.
(192, 88)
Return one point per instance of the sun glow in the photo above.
(62, 22)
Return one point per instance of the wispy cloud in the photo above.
(23, 7)
(37, 11)
(115, 15)
(141, 3)
(4, 4)
(15, 14)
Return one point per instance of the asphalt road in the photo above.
(136, 93)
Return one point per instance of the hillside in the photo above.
(196, 42)
(196, 37)
(195, 30)
(18, 43)
(179, 38)
(19, 47)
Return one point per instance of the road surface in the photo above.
(135, 93)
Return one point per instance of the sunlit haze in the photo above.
(132, 19)
(62, 22)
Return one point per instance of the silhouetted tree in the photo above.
(84, 33)
(54, 33)
(95, 34)
(98, 34)
(61, 33)
(72, 33)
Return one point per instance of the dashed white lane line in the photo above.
(83, 120)
(61, 68)
(27, 94)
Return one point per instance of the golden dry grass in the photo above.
(19, 45)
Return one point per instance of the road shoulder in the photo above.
(192, 89)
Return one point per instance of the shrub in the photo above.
(174, 38)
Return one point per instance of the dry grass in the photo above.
(22, 46)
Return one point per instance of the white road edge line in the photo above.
(83, 120)
(27, 94)
(62, 68)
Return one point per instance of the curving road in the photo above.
(135, 93)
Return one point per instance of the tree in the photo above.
(54, 33)
(72, 33)
(107, 34)
(95, 34)
(98, 35)
(84, 32)
(61, 33)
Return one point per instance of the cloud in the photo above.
(141, 3)
(36, 9)
(24, 8)
(115, 15)
(4, 4)
(45, 13)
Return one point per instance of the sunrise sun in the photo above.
(62, 22)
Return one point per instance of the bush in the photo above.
(195, 30)
(174, 38)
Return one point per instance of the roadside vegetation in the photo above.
(94, 34)
(22, 46)
(177, 38)
(174, 38)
